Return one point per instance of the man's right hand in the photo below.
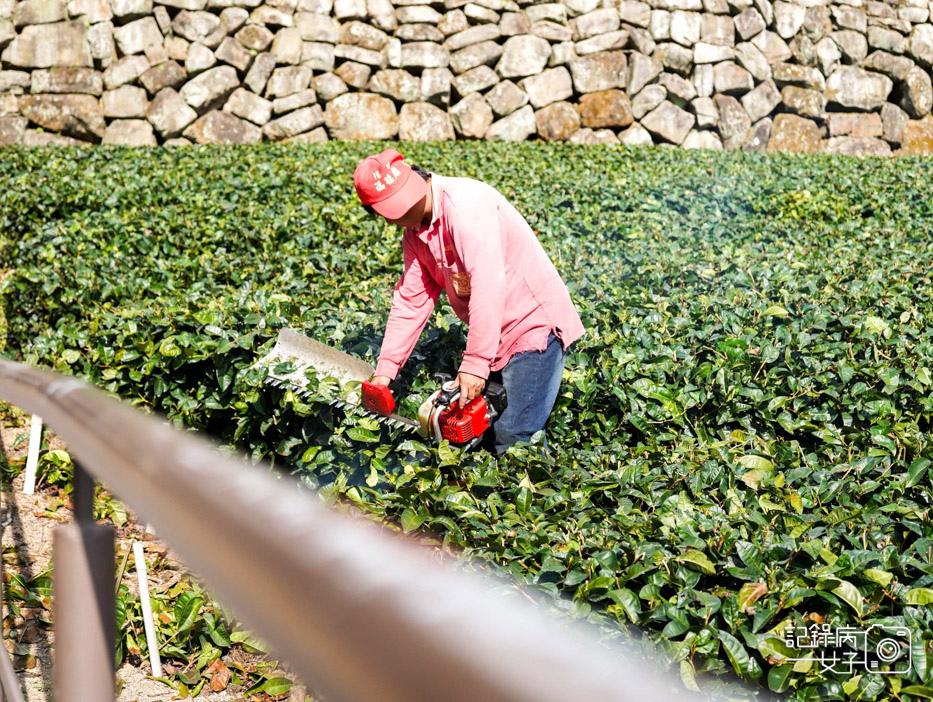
(380, 380)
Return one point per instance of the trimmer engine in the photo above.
(442, 417)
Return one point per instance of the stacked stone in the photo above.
(848, 76)
(143, 73)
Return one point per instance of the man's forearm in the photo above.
(406, 322)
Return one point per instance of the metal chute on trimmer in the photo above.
(439, 417)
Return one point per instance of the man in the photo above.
(462, 236)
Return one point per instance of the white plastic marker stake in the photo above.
(151, 642)
(32, 458)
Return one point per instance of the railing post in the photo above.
(83, 602)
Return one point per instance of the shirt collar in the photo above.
(437, 191)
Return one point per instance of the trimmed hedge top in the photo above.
(741, 438)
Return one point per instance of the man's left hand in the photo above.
(470, 386)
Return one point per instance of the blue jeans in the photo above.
(531, 380)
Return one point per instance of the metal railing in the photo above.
(358, 613)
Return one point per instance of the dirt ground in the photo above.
(28, 526)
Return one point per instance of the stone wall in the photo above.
(809, 75)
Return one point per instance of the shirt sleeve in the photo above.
(478, 240)
(412, 303)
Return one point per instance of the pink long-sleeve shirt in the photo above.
(499, 280)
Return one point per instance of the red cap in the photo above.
(388, 184)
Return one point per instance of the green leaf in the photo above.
(771, 645)
(165, 681)
(628, 600)
(917, 470)
(919, 596)
(575, 577)
(189, 677)
(276, 686)
(117, 513)
(216, 630)
(849, 594)
(736, 652)
(698, 559)
(851, 685)
(877, 325)
(753, 462)
(760, 469)
(250, 643)
(750, 593)
(775, 311)
(309, 454)
(779, 677)
(448, 455)
(361, 434)
(523, 501)
(688, 676)
(412, 445)
(169, 347)
(639, 423)
(373, 478)
(768, 505)
(882, 577)
(919, 657)
(187, 607)
(208, 655)
(120, 608)
(410, 520)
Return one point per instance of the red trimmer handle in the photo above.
(378, 398)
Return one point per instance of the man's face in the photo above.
(412, 218)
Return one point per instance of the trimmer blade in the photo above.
(293, 353)
(301, 352)
(390, 420)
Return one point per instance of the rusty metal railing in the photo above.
(358, 613)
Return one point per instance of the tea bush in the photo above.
(741, 442)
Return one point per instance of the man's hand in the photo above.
(380, 380)
(470, 386)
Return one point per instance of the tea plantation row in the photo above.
(742, 438)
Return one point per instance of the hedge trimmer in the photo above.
(439, 417)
